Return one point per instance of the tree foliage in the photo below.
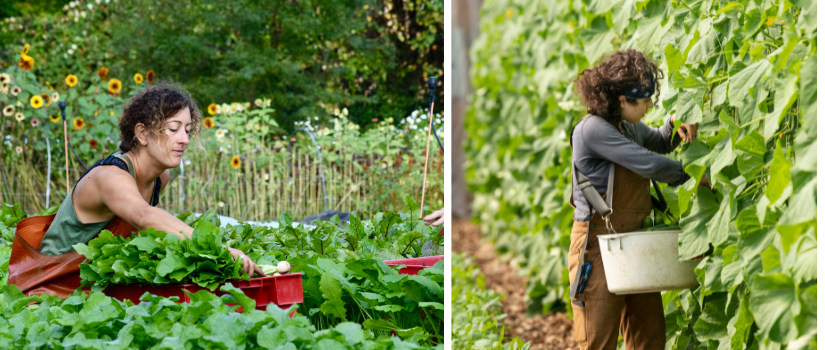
(308, 56)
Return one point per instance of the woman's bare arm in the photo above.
(118, 192)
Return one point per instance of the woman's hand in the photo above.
(687, 132)
(249, 266)
(436, 218)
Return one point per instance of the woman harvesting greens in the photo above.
(611, 145)
(118, 194)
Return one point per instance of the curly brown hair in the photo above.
(600, 87)
(152, 106)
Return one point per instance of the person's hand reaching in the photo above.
(687, 132)
(249, 266)
(436, 218)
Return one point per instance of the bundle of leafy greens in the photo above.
(208, 322)
(154, 257)
(369, 292)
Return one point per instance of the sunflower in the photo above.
(19, 117)
(15, 90)
(208, 123)
(138, 78)
(78, 123)
(236, 162)
(150, 76)
(5, 78)
(71, 80)
(26, 62)
(259, 102)
(115, 85)
(54, 118)
(47, 99)
(103, 73)
(35, 122)
(8, 111)
(25, 50)
(55, 96)
(4, 88)
(213, 109)
(36, 101)
(93, 143)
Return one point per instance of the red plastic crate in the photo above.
(283, 290)
(414, 265)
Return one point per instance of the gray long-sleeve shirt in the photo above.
(597, 143)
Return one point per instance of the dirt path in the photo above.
(548, 332)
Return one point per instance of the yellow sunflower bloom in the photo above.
(71, 80)
(37, 101)
(236, 162)
(213, 109)
(150, 76)
(47, 99)
(208, 123)
(115, 85)
(78, 123)
(138, 78)
(103, 73)
(25, 50)
(26, 62)
(54, 118)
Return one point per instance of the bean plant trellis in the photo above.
(744, 70)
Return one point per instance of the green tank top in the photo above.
(67, 230)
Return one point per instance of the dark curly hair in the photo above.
(600, 87)
(152, 107)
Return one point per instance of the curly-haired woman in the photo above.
(118, 194)
(612, 143)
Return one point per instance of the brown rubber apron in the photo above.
(639, 317)
(35, 273)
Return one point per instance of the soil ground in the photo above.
(547, 332)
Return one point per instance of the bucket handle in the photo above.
(609, 239)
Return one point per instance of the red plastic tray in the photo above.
(414, 265)
(283, 290)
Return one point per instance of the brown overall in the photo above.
(640, 317)
(35, 273)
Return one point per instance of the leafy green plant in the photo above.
(156, 258)
(745, 71)
(208, 322)
(477, 310)
(10, 215)
(369, 292)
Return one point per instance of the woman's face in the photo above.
(176, 130)
(634, 113)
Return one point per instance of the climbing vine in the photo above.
(744, 70)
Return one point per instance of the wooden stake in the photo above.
(426, 160)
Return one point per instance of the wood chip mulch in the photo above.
(547, 332)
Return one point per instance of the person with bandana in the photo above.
(611, 143)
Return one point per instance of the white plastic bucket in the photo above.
(644, 262)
